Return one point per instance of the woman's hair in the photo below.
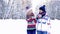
(29, 13)
(44, 13)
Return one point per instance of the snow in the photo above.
(19, 26)
(55, 27)
(10, 26)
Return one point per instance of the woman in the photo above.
(31, 28)
(43, 21)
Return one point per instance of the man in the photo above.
(31, 28)
(43, 21)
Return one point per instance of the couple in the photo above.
(40, 24)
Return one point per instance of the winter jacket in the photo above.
(43, 24)
(31, 22)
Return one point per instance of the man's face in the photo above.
(40, 11)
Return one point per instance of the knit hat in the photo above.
(42, 8)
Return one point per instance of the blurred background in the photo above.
(13, 9)
(16, 9)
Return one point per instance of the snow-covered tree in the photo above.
(53, 9)
(14, 9)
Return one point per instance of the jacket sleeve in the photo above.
(49, 25)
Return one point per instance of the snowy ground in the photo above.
(13, 26)
(19, 26)
(55, 27)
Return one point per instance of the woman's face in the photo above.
(40, 11)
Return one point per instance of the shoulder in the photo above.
(46, 17)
